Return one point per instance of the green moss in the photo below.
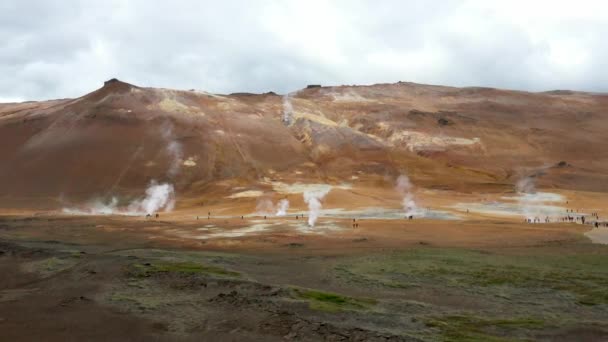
(332, 302)
(470, 328)
(151, 253)
(138, 301)
(371, 279)
(50, 266)
(584, 276)
(187, 268)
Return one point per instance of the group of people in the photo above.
(537, 219)
(573, 218)
(242, 216)
(208, 216)
(595, 221)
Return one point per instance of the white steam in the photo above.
(526, 186)
(527, 200)
(404, 187)
(173, 149)
(288, 108)
(282, 207)
(313, 199)
(533, 204)
(264, 206)
(95, 207)
(159, 197)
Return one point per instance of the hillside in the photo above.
(115, 140)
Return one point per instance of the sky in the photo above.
(67, 48)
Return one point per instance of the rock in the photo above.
(112, 80)
(443, 122)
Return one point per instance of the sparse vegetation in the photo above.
(584, 276)
(136, 300)
(470, 328)
(332, 302)
(186, 268)
(48, 267)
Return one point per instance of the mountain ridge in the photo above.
(464, 139)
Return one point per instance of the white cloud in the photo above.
(51, 49)
(11, 99)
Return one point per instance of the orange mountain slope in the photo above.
(118, 138)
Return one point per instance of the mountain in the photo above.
(115, 140)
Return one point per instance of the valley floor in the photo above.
(129, 278)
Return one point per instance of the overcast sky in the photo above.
(65, 48)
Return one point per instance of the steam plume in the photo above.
(404, 187)
(526, 186)
(95, 207)
(313, 199)
(173, 149)
(288, 108)
(264, 206)
(159, 197)
(282, 207)
(526, 189)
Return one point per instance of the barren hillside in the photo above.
(118, 138)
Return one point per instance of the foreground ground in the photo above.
(117, 278)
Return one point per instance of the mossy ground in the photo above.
(548, 288)
(471, 328)
(332, 302)
(185, 268)
(584, 276)
(50, 266)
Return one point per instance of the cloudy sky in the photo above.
(65, 48)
